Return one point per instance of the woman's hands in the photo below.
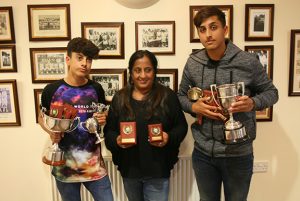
(163, 142)
(156, 144)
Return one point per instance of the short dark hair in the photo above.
(84, 46)
(209, 11)
(138, 55)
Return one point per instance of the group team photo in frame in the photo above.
(259, 22)
(8, 60)
(108, 36)
(265, 55)
(155, 36)
(111, 80)
(48, 64)
(7, 31)
(168, 78)
(49, 22)
(294, 76)
(227, 10)
(9, 103)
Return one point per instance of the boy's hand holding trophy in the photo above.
(59, 119)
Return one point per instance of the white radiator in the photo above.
(183, 186)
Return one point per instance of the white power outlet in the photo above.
(260, 166)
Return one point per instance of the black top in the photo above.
(143, 159)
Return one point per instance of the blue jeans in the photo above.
(146, 189)
(100, 190)
(234, 172)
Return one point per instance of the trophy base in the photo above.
(53, 163)
(128, 141)
(235, 136)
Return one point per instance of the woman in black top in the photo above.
(145, 166)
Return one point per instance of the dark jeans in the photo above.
(149, 189)
(100, 190)
(234, 172)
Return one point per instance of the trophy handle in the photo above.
(241, 87)
(76, 119)
(213, 88)
(42, 113)
(83, 126)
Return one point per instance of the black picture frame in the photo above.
(294, 74)
(227, 9)
(49, 22)
(37, 93)
(8, 59)
(7, 30)
(111, 80)
(48, 64)
(168, 77)
(9, 107)
(259, 22)
(155, 36)
(108, 36)
(265, 55)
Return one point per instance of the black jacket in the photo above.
(143, 159)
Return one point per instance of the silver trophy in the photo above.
(91, 124)
(53, 155)
(227, 94)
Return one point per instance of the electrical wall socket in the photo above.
(260, 166)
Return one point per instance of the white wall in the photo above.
(23, 175)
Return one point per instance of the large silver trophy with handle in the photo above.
(53, 155)
(91, 124)
(227, 94)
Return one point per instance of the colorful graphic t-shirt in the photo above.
(84, 161)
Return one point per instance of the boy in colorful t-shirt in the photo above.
(84, 162)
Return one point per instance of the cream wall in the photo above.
(23, 175)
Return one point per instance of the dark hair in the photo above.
(206, 12)
(154, 99)
(138, 55)
(84, 46)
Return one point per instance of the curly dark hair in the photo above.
(209, 11)
(84, 46)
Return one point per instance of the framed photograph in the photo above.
(7, 31)
(48, 64)
(49, 22)
(37, 102)
(9, 103)
(111, 80)
(8, 61)
(155, 36)
(108, 36)
(265, 115)
(168, 77)
(294, 77)
(265, 55)
(259, 22)
(228, 11)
